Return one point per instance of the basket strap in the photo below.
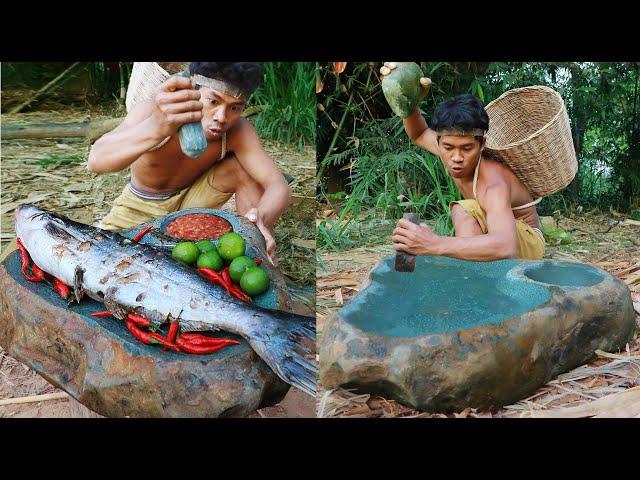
(223, 151)
(475, 181)
(475, 176)
(160, 145)
(538, 200)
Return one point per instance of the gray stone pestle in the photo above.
(405, 262)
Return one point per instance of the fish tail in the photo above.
(286, 343)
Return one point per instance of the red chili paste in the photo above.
(198, 226)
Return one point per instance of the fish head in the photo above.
(35, 225)
(30, 220)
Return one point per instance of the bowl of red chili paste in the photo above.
(198, 226)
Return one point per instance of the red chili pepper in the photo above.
(23, 252)
(237, 292)
(142, 233)
(196, 339)
(224, 280)
(233, 289)
(211, 274)
(138, 320)
(163, 341)
(173, 332)
(258, 261)
(226, 276)
(103, 313)
(61, 288)
(26, 260)
(215, 277)
(38, 273)
(144, 337)
(185, 346)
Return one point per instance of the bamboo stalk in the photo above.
(53, 84)
(335, 137)
(34, 398)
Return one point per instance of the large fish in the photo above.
(130, 276)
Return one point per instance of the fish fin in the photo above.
(78, 291)
(195, 326)
(111, 305)
(285, 341)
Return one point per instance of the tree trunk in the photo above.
(91, 129)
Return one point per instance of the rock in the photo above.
(402, 88)
(98, 362)
(457, 334)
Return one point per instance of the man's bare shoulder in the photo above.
(243, 132)
(495, 172)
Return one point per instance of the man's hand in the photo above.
(415, 239)
(253, 215)
(175, 103)
(425, 82)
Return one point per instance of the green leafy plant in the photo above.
(285, 102)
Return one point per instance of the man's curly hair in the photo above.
(244, 75)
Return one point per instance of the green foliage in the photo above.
(286, 103)
(103, 80)
(556, 236)
(59, 160)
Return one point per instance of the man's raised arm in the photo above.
(148, 123)
(415, 125)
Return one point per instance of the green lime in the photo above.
(210, 259)
(206, 246)
(231, 245)
(186, 252)
(238, 266)
(254, 281)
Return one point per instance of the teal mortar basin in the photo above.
(455, 334)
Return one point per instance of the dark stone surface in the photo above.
(98, 362)
(457, 334)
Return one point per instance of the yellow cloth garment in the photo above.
(530, 240)
(130, 210)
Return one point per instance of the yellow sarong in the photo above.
(530, 240)
(130, 210)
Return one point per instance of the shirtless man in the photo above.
(497, 218)
(164, 179)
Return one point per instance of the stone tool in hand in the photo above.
(406, 262)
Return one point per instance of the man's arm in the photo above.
(148, 123)
(497, 244)
(119, 148)
(419, 132)
(261, 167)
(415, 125)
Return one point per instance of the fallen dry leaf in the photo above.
(338, 67)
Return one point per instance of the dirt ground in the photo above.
(610, 242)
(51, 173)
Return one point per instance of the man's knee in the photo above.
(464, 223)
(231, 172)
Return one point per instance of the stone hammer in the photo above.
(405, 262)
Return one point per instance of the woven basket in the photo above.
(529, 131)
(146, 77)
